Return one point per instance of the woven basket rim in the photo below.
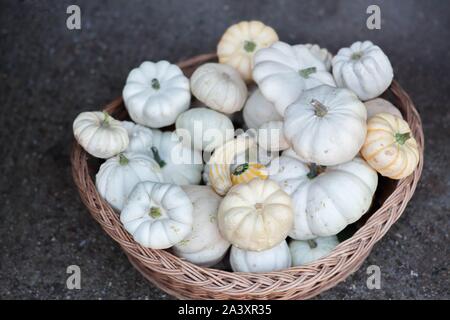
(186, 280)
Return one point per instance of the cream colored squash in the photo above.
(323, 54)
(156, 93)
(390, 147)
(157, 215)
(379, 105)
(117, 176)
(364, 69)
(326, 125)
(255, 216)
(271, 136)
(325, 200)
(304, 252)
(283, 72)
(220, 87)
(240, 42)
(258, 110)
(204, 245)
(273, 259)
(246, 172)
(100, 134)
(204, 129)
(222, 159)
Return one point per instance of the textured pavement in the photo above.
(49, 74)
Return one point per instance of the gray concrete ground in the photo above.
(49, 74)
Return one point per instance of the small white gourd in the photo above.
(258, 110)
(304, 252)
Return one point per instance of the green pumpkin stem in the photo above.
(249, 46)
(401, 138)
(155, 84)
(123, 161)
(312, 243)
(157, 157)
(305, 73)
(155, 212)
(357, 55)
(240, 169)
(315, 170)
(320, 109)
(106, 119)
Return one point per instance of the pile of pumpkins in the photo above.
(317, 135)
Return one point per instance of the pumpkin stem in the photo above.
(155, 84)
(249, 46)
(320, 109)
(312, 243)
(357, 55)
(123, 160)
(305, 73)
(315, 170)
(106, 119)
(157, 157)
(155, 212)
(402, 137)
(240, 169)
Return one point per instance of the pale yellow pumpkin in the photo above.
(246, 172)
(240, 42)
(222, 159)
(390, 147)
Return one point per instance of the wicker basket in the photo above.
(188, 281)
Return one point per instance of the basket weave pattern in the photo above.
(188, 281)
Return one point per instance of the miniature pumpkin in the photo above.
(140, 137)
(325, 199)
(117, 176)
(390, 147)
(379, 105)
(205, 129)
(363, 68)
(222, 159)
(304, 252)
(258, 110)
(156, 93)
(255, 216)
(100, 134)
(157, 215)
(179, 163)
(273, 259)
(240, 42)
(271, 136)
(204, 245)
(321, 53)
(326, 125)
(220, 87)
(283, 72)
(246, 172)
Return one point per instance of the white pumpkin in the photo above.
(240, 42)
(364, 69)
(140, 137)
(273, 259)
(304, 252)
(258, 110)
(325, 200)
(157, 215)
(255, 216)
(204, 245)
(271, 136)
(179, 164)
(326, 125)
(156, 93)
(323, 54)
(220, 87)
(204, 129)
(117, 176)
(100, 134)
(283, 72)
(380, 105)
